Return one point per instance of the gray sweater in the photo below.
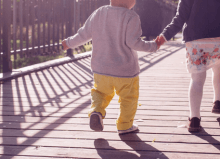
(115, 33)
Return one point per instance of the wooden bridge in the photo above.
(44, 114)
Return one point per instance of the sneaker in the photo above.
(133, 128)
(194, 124)
(96, 122)
(216, 107)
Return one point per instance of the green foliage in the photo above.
(27, 61)
(176, 1)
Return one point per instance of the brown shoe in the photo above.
(194, 124)
(216, 107)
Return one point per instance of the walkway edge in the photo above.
(25, 70)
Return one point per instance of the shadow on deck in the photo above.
(44, 114)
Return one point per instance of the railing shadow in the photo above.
(159, 55)
(6, 87)
(27, 90)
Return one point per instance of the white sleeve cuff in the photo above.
(67, 42)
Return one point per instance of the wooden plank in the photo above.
(142, 117)
(137, 145)
(78, 118)
(84, 100)
(83, 113)
(27, 13)
(82, 135)
(82, 12)
(107, 121)
(6, 47)
(107, 145)
(39, 20)
(50, 107)
(32, 17)
(21, 26)
(59, 4)
(15, 30)
(53, 24)
(66, 89)
(49, 24)
(108, 154)
(111, 109)
(62, 18)
(145, 86)
(1, 43)
(43, 16)
(107, 128)
(41, 88)
(145, 91)
(70, 23)
(62, 99)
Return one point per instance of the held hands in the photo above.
(65, 47)
(160, 41)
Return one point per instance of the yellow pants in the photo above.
(128, 91)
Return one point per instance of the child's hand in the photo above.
(65, 47)
(160, 41)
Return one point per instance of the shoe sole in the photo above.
(95, 123)
(216, 111)
(121, 133)
(194, 129)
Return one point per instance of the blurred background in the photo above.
(31, 31)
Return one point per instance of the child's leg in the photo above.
(128, 91)
(216, 82)
(195, 93)
(102, 93)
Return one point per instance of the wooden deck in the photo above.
(44, 114)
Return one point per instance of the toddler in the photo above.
(115, 32)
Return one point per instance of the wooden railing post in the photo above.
(70, 20)
(7, 64)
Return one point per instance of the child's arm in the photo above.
(184, 10)
(133, 37)
(83, 36)
(160, 40)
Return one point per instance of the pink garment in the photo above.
(202, 54)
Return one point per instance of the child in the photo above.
(201, 33)
(115, 31)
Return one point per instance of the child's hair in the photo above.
(122, 3)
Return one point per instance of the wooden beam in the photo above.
(7, 64)
(71, 19)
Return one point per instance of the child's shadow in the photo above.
(209, 138)
(139, 149)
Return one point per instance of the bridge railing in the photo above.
(36, 27)
(30, 28)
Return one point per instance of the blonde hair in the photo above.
(121, 3)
